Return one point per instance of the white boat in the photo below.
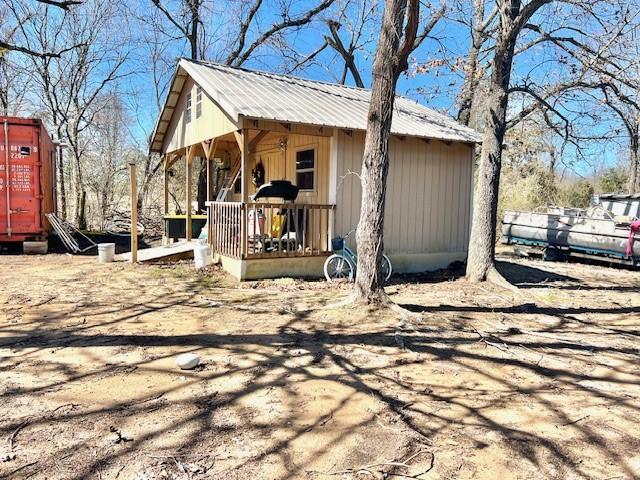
(594, 231)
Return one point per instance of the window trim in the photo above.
(198, 101)
(187, 109)
(303, 148)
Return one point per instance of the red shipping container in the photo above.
(27, 179)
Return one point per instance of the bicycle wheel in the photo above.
(386, 268)
(338, 267)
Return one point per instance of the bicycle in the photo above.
(342, 264)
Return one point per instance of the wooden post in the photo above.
(166, 166)
(209, 148)
(242, 138)
(134, 213)
(212, 158)
(188, 192)
(244, 172)
(166, 185)
(208, 179)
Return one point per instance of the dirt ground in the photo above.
(483, 383)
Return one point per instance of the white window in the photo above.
(305, 169)
(187, 109)
(198, 101)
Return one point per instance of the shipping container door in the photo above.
(21, 209)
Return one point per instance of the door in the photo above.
(19, 181)
(273, 163)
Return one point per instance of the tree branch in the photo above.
(435, 18)
(336, 43)
(16, 48)
(167, 14)
(278, 27)
(410, 32)
(308, 58)
(64, 5)
(242, 35)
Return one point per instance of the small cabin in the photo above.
(283, 156)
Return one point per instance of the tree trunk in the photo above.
(468, 87)
(194, 5)
(471, 77)
(82, 214)
(634, 158)
(61, 184)
(387, 66)
(480, 262)
(81, 194)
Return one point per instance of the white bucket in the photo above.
(106, 252)
(202, 255)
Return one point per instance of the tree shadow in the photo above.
(252, 395)
(525, 276)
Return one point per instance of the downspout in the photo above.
(6, 175)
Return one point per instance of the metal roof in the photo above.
(259, 95)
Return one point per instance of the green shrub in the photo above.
(614, 180)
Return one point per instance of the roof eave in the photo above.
(165, 106)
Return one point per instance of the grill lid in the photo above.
(277, 189)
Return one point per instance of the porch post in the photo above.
(242, 138)
(333, 185)
(209, 152)
(244, 164)
(165, 197)
(244, 176)
(166, 183)
(134, 212)
(208, 180)
(188, 158)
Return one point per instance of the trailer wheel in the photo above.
(551, 254)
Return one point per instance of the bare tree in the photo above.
(627, 110)
(480, 25)
(22, 13)
(514, 17)
(620, 87)
(287, 22)
(356, 23)
(155, 58)
(352, 32)
(186, 17)
(398, 38)
(15, 86)
(187, 21)
(73, 84)
(106, 168)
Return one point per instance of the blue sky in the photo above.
(140, 24)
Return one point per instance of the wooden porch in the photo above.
(242, 230)
(260, 230)
(265, 142)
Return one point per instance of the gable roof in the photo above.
(265, 96)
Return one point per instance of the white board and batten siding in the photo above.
(430, 183)
(281, 165)
(212, 122)
(428, 202)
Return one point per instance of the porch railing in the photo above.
(270, 230)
